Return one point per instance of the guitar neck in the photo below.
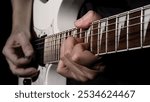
(122, 32)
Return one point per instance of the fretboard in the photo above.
(122, 32)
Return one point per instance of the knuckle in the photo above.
(58, 70)
(91, 76)
(70, 38)
(76, 57)
(67, 53)
(13, 70)
(4, 51)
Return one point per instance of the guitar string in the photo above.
(50, 45)
(54, 49)
(116, 29)
(95, 22)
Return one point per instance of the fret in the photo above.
(68, 33)
(134, 29)
(82, 34)
(127, 31)
(102, 37)
(111, 34)
(116, 34)
(47, 50)
(146, 30)
(62, 38)
(94, 37)
(65, 35)
(122, 32)
(59, 45)
(86, 37)
(52, 48)
(98, 38)
(141, 27)
(78, 33)
(91, 34)
(55, 47)
(74, 33)
(51, 51)
(106, 35)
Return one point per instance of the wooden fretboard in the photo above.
(122, 32)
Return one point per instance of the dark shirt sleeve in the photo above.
(103, 7)
(110, 7)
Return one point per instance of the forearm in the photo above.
(22, 10)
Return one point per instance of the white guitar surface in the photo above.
(49, 18)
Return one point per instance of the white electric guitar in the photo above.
(55, 18)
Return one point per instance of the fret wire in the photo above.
(57, 47)
(59, 42)
(75, 33)
(85, 38)
(51, 39)
(127, 31)
(106, 33)
(55, 50)
(98, 45)
(116, 32)
(52, 45)
(141, 26)
(80, 33)
(91, 41)
(52, 48)
(101, 34)
(72, 33)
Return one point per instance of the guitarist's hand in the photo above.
(19, 53)
(76, 59)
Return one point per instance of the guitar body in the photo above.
(126, 31)
(49, 18)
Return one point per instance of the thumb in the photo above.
(87, 19)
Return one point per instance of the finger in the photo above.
(23, 72)
(26, 46)
(87, 19)
(70, 64)
(63, 70)
(81, 55)
(69, 44)
(11, 55)
(79, 72)
(79, 40)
